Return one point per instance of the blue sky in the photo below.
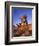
(17, 12)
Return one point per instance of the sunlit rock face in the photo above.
(23, 28)
(23, 19)
(24, 23)
(30, 27)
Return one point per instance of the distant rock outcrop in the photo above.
(23, 28)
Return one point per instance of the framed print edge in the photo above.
(7, 4)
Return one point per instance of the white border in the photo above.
(22, 38)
